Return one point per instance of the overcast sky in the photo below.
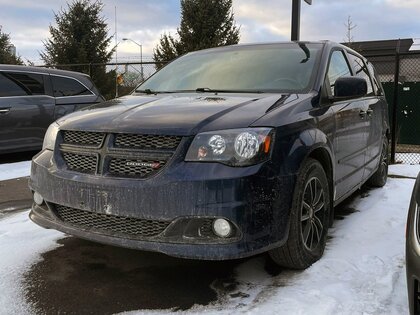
(143, 21)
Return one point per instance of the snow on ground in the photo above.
(362, 271)
(404, 170)
(21, 243)
(14, 170)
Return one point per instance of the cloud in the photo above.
(406, 4)
(144, 21)
(267, 22)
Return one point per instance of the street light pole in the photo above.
(295, 36)
(141, 55)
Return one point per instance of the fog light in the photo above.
(222, 227)
(38, 199)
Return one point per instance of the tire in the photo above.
(309, 219)
(378, 179)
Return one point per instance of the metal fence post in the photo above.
(395, 106)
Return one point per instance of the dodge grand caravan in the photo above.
(223, 153)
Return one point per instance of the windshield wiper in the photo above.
(146, 91)
(149, 91)
(208, 90)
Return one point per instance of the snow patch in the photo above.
(21, 245)
(15, 170)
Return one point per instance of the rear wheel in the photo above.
(309, 219)
(378, 179)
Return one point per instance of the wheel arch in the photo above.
(314, 143)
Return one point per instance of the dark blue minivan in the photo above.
(223, 153)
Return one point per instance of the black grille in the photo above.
(82, 138)
(135, 168)
(206, 229)
(81, 163)
(111, 224)
(146, 141)
(124, 155)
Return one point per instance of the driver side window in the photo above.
(337, 68)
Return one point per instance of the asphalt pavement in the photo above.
(14, 193)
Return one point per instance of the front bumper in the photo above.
(254, 199)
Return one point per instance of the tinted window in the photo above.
(338, 68)
(361, 71)
(281, 67)
(21, 84)
(68, 87)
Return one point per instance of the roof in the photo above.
(41, 70)
(381, 47)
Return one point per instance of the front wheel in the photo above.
(309, 219)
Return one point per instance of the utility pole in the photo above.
(296, 18)
(350, 26)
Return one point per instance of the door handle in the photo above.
(369, 111)
(362, 113)
(4, 110)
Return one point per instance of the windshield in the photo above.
(255, 68)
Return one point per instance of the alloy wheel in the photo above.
(312, 213)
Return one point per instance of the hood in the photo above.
(176, 114)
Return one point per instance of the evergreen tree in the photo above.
(204, 24)
(6, 56)
(81, 37)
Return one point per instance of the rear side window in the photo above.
(64, 86)
(21, 84)
(361, 71)
(337, 68)
(376, 83)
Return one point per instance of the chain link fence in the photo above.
(130, 75)
(400, 77)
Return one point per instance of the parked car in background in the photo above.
(223, 153)
(412, 251)
(31, 98)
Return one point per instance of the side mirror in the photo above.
(349, 87)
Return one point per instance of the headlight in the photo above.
(235, 147)
(50, 137)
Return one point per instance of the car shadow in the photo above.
(345, 208)
(82, 277)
